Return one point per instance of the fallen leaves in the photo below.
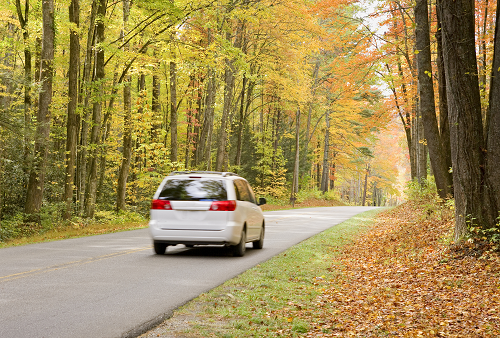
(402, 280)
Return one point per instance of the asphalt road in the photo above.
(115, 286)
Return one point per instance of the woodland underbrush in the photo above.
(19, 229)
(304, 199)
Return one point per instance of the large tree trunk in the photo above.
(464, 107)
(91, 190)
(426, 101)
(37, 175)
(72, 123)
(493, 131)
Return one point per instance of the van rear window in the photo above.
(194, 190)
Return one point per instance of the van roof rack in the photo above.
(187, 172)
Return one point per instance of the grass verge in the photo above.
(252, 304)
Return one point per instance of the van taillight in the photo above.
(161, 205)
(223, 206)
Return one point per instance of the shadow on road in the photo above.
(204, 251)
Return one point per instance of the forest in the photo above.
(99, 100)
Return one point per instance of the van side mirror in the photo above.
(262, 201)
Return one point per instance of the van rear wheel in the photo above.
(259, 244)
(160, 248)
(239, 249)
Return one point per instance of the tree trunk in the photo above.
(419, 148)
(197, 119)
(276, 138)
(482, 34)
(240, 123)
(121, 187)
(228, 97)
(318, 170)
(173, 110)
(493, 131)
(23, 21)
(37, 175)
(332, 172)
(72, 123)
(444, 125)
(155, 105)
(104, 135)
(85, 96)
(190, 117)
(1, 176)
(203, 150)
(91, 190)
(309, 115)
(406, 122)
(426, 101)
(464, 108)
(324, 175)
(410, 126)
(296, 167)
(204, 147)
(127, 147)
(365, 185)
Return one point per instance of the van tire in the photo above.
(239, 249)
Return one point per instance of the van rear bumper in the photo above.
(231, 235)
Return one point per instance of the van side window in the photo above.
(242, 193)
(251, 195)
(237, 191)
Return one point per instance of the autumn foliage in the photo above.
(284, 93)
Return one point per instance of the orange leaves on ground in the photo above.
(402, 280)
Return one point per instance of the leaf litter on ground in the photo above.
(404, 279)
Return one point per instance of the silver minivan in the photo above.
(206, 207)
